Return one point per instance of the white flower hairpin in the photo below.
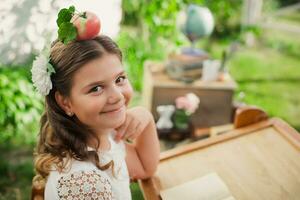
(41, 71)
(71, 26)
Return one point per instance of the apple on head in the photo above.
(77, 26)
(88, 25)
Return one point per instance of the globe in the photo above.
(196, 22)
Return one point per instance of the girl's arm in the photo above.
(142, 156)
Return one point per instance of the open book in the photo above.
(208, 187)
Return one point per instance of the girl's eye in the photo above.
(98, 88)
(121, 79)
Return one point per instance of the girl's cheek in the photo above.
(95, 103)
(128, 92)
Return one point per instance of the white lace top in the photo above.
(85, 181)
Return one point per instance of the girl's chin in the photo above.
(116, 122)
(114, 119)
(119, 123)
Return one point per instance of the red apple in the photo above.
(87, 28)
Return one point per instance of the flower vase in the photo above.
(164, 133)
(183, 126)
(179, 134)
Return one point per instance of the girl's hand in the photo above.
(136, 121)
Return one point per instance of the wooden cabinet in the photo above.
(216, 97)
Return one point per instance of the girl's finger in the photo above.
(133, 132)
(131, 129)
(122, 129)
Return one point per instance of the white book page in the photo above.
(208, 187)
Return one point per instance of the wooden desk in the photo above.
(216, 97)
(257, 161)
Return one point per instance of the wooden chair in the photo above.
(248, 115)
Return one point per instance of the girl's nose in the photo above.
(115, 95)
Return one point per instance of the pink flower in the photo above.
(189, 103)
(182, 103)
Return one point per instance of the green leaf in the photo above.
(64, 15)
(72, 9)
(67, 32)
(50, 69)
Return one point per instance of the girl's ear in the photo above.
(63, 102)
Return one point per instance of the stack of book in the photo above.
(185, 67)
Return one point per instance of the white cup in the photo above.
(210, 70)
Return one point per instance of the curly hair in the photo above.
(63, 137)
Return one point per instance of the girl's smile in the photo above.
(115, 111)
(100, 100)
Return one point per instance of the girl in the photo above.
(83, 151)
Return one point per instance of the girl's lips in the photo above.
(114, 111)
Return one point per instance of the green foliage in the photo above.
(270, 6)
(135, 53)
(20, 106)
(287, 2)
(154, 33)
(159, 17)
(66, 30)
(227, 15)
(65, 15)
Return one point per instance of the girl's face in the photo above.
(100, 93)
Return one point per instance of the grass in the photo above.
(269, 76)
(292, 17)
(268, 84)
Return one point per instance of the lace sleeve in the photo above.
(84, 185)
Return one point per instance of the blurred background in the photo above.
(266, 66)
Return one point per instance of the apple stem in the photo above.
(84, 15)
(75, 18)
(80, 14)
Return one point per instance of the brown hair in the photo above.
(62, 137)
